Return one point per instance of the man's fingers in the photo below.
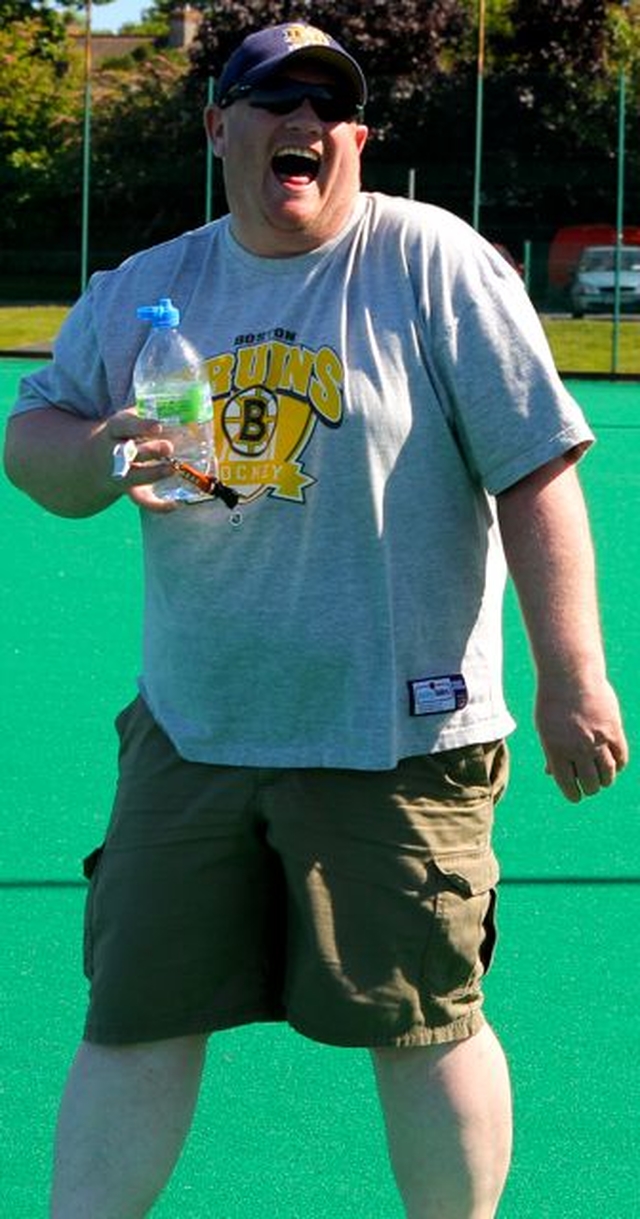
(565, 776)
(137, 462)
(144, 496)
(620, 753)
(587, 774)
(137, 448)
(607, 765)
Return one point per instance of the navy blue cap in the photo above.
(268, 51)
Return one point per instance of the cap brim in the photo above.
(341, 65)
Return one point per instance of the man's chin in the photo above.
(299, 213)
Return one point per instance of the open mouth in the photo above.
(300, 165)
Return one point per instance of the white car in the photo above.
(593, 288)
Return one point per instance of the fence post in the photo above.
(208, 200)
(86, 151)
(619, 219)
(526, 269)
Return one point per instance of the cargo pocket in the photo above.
(464, 936)
(90, 870)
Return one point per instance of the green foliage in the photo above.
(556, 35)
(550, 112)
(38, 103)
(623, 29)
(154, 20)
(25, 10)
(148, 151)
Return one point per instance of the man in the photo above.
(302, 827)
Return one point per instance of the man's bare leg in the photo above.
(448, 1116)
(124, 1117)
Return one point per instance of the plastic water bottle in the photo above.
(171, 385)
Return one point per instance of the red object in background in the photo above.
(569, 242)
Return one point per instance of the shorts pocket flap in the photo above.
(470, 873)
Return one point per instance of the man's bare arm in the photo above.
(547, 541)
(65, 462)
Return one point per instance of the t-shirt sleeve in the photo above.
(494, 369)
(75, 380)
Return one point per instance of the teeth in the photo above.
(291, 151)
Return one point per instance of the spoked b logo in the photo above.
(249, 421)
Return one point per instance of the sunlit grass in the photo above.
(28, 325)
(584, 345)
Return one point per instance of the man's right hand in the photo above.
(65, 461)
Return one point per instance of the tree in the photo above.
(550, 114)
(38, 92)
(407, 49)
(24, 10)
(148, 169)
(557, 35)
(551, 88)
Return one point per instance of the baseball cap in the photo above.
(268, 51)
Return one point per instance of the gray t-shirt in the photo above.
(371, 398)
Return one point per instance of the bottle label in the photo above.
(178, 405)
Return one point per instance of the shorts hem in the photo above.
(458, 1030)
(97, 1034)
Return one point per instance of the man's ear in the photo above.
(214, 127)
(362, 133)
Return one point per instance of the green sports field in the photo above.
(287, 1129)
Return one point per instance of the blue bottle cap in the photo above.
(165, 313)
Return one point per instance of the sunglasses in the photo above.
(330, 104)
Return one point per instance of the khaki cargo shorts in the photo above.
(356, 905)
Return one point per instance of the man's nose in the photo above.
(304, 116)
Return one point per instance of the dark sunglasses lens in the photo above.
(277, 104)
(334, 110)
(330, 107)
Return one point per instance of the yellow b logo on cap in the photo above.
(305, 36)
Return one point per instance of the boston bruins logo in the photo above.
(269, 397)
